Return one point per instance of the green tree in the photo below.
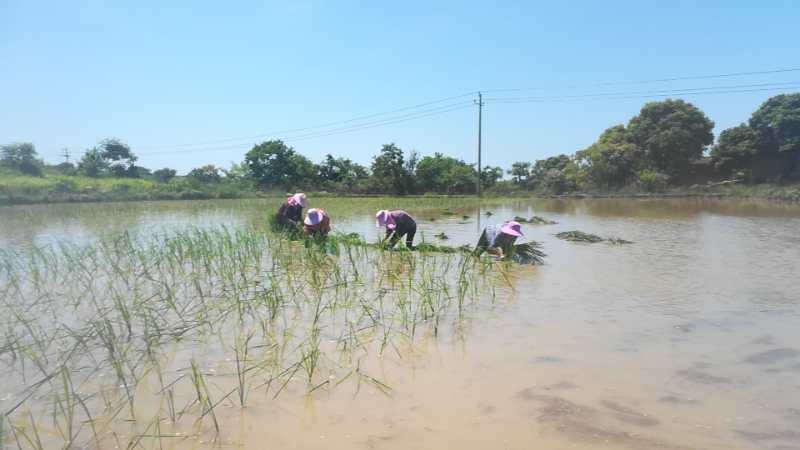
(340, 173)
(21, 156)
(66, 168)
(556, 174)
(670, 133)
(446, 175)
(736, 146)
(389, 171)
(165, 174)
(613, 160)
(490, 176)
(776, 124)
(520, 172)
(206, 174)
(274, 164)
(93, 164)
(119, 158)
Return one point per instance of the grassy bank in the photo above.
(16, 189)
(772, 192)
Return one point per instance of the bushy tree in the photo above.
(274, 164)
(120, 159)
(21, 156)
(490, 176)
(66, 168)
(773, 131)
(670, 133)
(520, 172)
(164, 175)
(613, 160)
(444, 174)
(776, 124)
(390, 173)
(340, 172)
(556, 174)
(206, 174)
(736, 146)
(93, 164)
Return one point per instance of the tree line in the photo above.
(667, 143)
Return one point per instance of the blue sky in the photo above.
(160, 75)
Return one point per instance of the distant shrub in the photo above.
(652, 181)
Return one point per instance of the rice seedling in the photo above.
(442, 236)
(94, 333)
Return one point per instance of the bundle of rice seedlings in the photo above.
(442, 236)
(527, 253)
(579, 236)
(542, 221)
(535, 220)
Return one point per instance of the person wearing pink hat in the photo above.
(317, 223)
(291, 211)
(498, 239)
(398, 224)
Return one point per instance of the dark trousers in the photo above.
(402, 230)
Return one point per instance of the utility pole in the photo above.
(480, 126)
(65, 154)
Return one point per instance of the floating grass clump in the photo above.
(580, 236)
(443, 236)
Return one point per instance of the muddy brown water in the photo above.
(688, 338)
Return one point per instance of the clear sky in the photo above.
(160, 75)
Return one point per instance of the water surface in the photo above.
(688, 338)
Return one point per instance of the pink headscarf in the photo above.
(384, 218)
(297, 199)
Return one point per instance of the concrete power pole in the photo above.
(65, 154)
(480, 129)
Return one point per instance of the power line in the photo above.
(441, 100)
(324, 130)
(656, 80)
(783, 84)
(344, 130)
(312, 127)
(652, 94)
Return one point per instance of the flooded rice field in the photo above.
(186, 325)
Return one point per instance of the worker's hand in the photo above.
(495, 251)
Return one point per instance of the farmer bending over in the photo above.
(291, 212)
(398, 224)
(317, 223)
(498, 240)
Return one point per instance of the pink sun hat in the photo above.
(298, 199)
(384, 219)
(314, 217)
(513, 228)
